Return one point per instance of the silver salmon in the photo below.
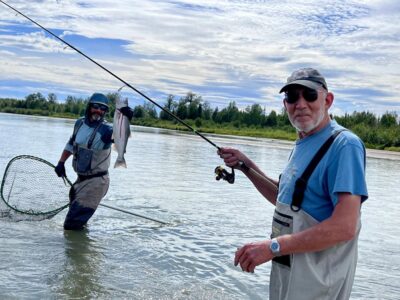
(121, 132)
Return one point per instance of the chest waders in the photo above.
(93, 181)
(326, 274)
(88, 162)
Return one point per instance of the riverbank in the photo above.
(279, 142)
(377, 132)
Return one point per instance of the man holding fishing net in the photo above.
(315, 228)
(90, 145)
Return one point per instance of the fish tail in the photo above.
(120, 162)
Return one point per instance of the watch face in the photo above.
(275, 247)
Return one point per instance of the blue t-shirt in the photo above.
(342, 169)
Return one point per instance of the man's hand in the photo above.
(251, 255)
(60, 169)
(127, 112)
(232, 157)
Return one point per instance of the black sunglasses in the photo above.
(99, 106)
(292, 95)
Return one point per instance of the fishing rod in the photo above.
(133, 214)
(220, 172)
(67, 181)
(114, 75)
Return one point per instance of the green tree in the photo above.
(52, 98)
(271, 120)
(194, 106)
(389, 119)
(254, 115)
(207, 111)
(216, 116)
(181, 111)
(229, 114)
(283, 119)
(112, 97)
(139, 112)
(170, 105)
(36, 101)
(150, 110)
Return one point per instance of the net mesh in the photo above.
(30, 190)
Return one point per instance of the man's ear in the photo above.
(284, 105)
(329, 99)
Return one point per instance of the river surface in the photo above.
(170, 177)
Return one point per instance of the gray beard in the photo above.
(96, 117)
(310, 127)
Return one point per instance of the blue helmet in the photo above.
(99, 99)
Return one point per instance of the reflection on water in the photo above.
(170, 177)
(83, 261)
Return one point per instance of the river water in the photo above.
(170, 178)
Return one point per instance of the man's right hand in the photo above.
(60, 169)
(233, 158)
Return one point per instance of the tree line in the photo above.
(377, 132)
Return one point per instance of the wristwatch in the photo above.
(275, 247)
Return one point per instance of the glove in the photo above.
(60, 169)
(127, 112)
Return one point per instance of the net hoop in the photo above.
(49, 213)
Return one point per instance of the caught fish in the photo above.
(121, 132)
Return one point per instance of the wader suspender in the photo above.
(89, 145)
(301, 183)
(78, 126)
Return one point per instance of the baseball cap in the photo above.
(307, 77)
(99, 99)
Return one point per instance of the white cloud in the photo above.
(36, 41)
(170, 46)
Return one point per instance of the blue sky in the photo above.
(231, 50)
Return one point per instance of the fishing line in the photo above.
(114, 75)
(133, 214)
(229, 177)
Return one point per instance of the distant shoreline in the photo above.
(371, 153)
(285, 144)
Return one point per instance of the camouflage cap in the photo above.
(307, 77)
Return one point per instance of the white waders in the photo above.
(327, 274)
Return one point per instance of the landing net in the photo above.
(30, 190)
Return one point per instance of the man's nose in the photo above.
(301, 102)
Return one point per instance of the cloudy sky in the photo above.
(225, 50)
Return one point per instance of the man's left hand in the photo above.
(127, 112)
(251, 255)
(60, 169)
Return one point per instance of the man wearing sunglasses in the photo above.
(316, 223)
(90, 145)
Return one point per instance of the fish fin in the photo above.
(120, 163)
(114, 147)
